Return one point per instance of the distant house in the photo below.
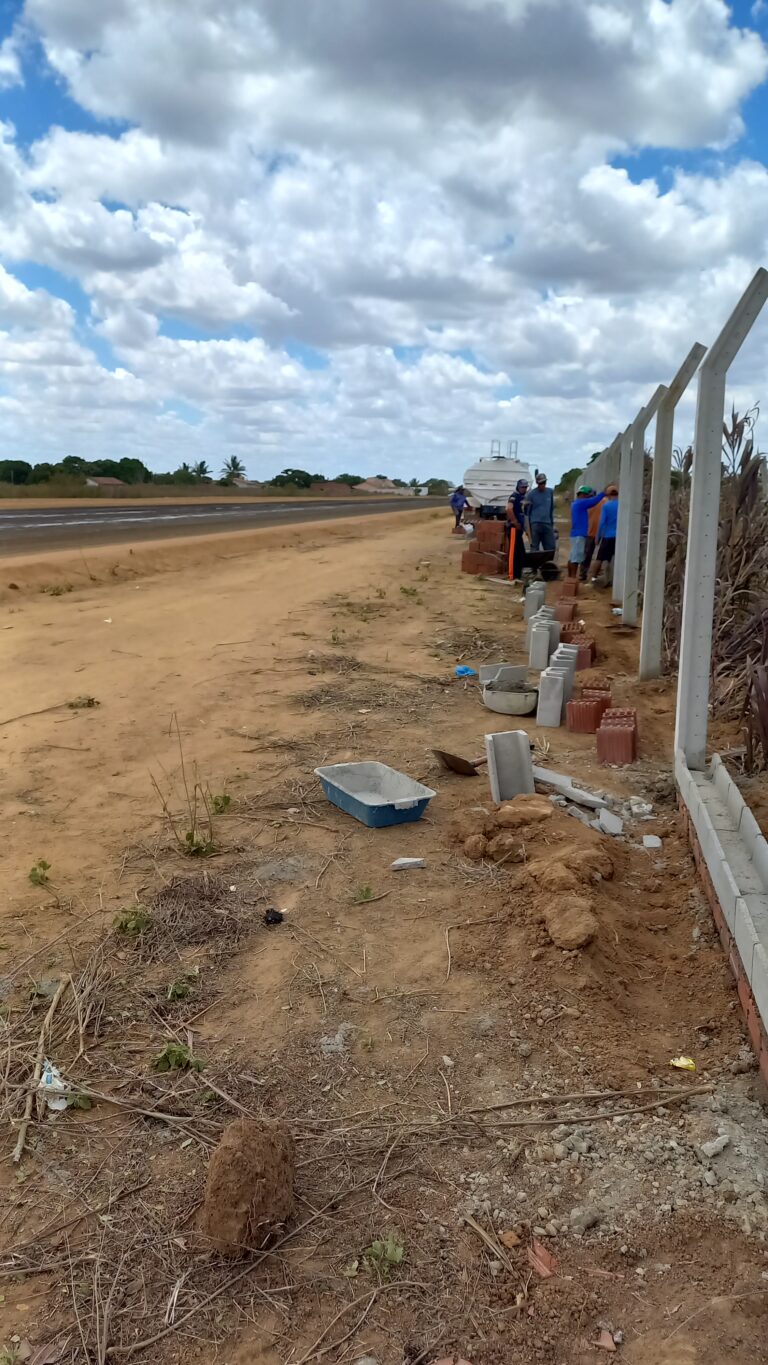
(383, 486)
(251, 485)
(99, 481)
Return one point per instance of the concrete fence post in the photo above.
(621, 528)
(633, 502)
(701, 562)
(658, 520)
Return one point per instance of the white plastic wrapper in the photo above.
(51, 1085)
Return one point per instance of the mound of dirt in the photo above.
(571, 922)
(249, 1190)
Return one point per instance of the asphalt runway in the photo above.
(27, 529)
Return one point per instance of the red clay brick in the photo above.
(616, 744)
(565, 612)
(569, 588)
(586, 655)
(490, 534)
(603, 700)
(583, 716)
(621, 713)
(471, 562)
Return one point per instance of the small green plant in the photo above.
(384, 1256)
(178, 990)
(193, 830)
(133, 921)
(9, 1355)
(198, 845)
(177, 1057)
(57, 589)
(79, 1102)
(38, 873)
(362, 894)
(221, 803)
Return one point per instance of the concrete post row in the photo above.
(701, 562)
(632, 497)
(658, 520)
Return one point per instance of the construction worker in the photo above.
(541, 514)
(586, 498)
(606, 535)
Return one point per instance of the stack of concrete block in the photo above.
(544, 614)
(563, 661)
(541, 644)
(617, 737)
(507, 673)
(534, 599)
(510, 767)
(549, 713)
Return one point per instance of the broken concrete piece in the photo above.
(651, 841)
(642, 810)
(610, 823)
(578, 814)
(564, 785)
(715, 1147)
(405, 864)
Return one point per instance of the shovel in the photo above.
(456, 764)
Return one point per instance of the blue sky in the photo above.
(225, 229)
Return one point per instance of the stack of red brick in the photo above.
(585, 714)
(485, 553)
(617, 736)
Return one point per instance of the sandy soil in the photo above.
(380, 1012)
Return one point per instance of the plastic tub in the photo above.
(374, 794)
(511, 699)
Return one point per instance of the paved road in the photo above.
(25, 529)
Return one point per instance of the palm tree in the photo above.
(201, 470)
(233, 468)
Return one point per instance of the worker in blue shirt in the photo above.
(586, 498)
(459, 503)
(606, 534)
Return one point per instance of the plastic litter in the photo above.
(683, 1063)
(51, 1085)
(464, 671)
(273, 916)
(405, 864)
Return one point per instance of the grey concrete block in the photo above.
(538, 657)
(759, 982)
(512, 673)
(551, 692)
(651, 841)
(610, 823)
(510, 770)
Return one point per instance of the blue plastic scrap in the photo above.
(464, 671)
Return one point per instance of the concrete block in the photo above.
(745, 936)
(759, 982)
(757, 905)
(554, 635)
(651, 841)
(565, 673)
(512, 673)
(759, 854)
(538, 657)
(510, 769)
(610, 823)
(551, 692)
(532, 602)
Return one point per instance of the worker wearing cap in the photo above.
(586, 498)
(516, 525)
(541, 515)
(606, 534)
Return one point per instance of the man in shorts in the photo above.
(586, 498)
(606, 535)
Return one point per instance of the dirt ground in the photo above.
(495, 1160)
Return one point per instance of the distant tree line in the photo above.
(133, 471)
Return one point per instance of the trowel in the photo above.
(456, 764)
